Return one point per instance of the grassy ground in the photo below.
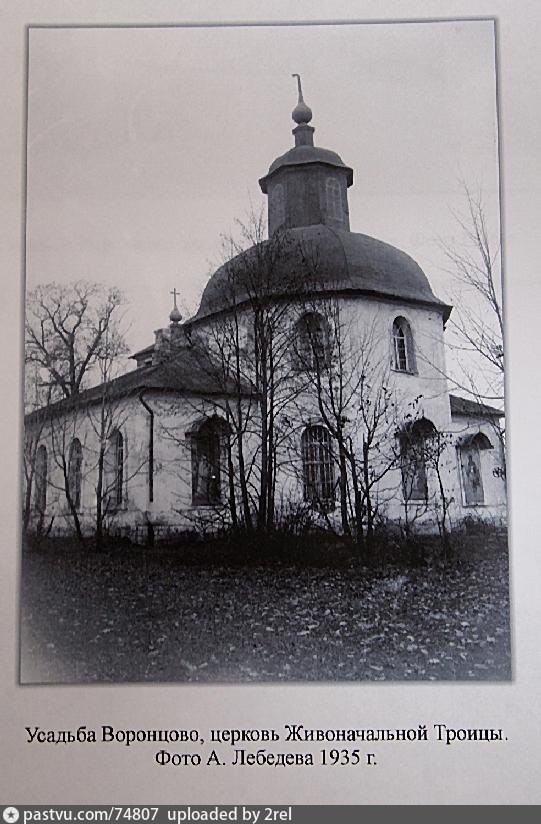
(181, 615)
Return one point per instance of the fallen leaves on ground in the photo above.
(136, 615)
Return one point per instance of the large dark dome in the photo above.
(318, 259)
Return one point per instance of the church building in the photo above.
(310, 388)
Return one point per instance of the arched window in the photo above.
(470, 467)
(334, 198)
(75, 464)
(40, 488)
(207, 459)
(114, 470)
(318, 466)
(277, 206)
(246, 334)
(414, 450)
(403, 349)
(313, 342)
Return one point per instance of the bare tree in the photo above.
(251, 351)
(228, 362)
(261, 276)
(37, 396)
(73, 335)
(346, 370)
(250, 341)
(106, 418)
(476, 326)
(475, 263)
(67, 328)
(67, 457)
(32, 441)
(425, 458)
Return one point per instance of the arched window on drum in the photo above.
(277, 206)
(313, 342)
(403, 346)
(334, 199)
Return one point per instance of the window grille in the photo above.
(318, 465)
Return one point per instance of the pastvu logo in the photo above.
(11, 814)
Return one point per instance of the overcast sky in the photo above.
(145, 145)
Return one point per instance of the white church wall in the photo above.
(360, 317)
(366, 326)
(423, 392)
(428, 384)
(177, 418)
(83, 424)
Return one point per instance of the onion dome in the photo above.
(175, 316)
(301, 114)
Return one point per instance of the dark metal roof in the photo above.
(464, 406)
(146, 351)
(302, 155)
(320, 259)
(190, 372)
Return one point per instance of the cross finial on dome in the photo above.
(175, 316)
(301, 114)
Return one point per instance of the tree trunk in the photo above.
(99, 502)
(263, 481)
(358, 501)
(71, 503)
(343, 490)
(27, 508)
(75, 516)
(367, 496)
(263, 406)
(231, 481)
(444, 507)
(271, 467)
(246, 511)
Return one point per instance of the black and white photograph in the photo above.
(264, 434)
